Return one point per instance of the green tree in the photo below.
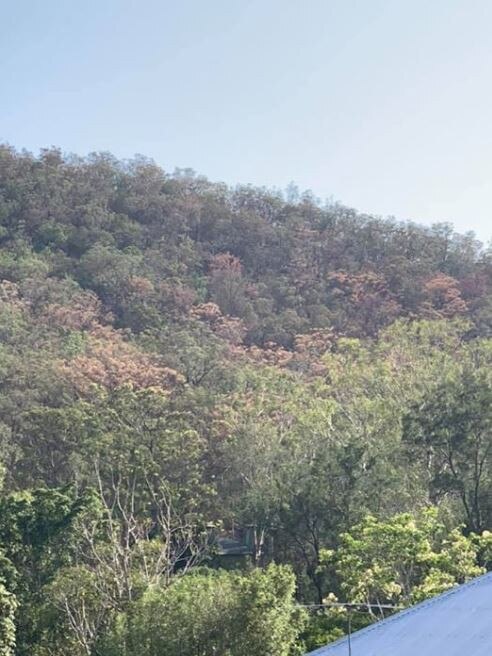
(39, 532)
(450, 432)
(213, 614)
(8, 606)
(401, 560)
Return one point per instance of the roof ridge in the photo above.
(403, 613)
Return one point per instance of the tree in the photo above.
(401, 560)
(213, 614)
(39, 531)
(385, 564)
(8, 606)
(450, 432)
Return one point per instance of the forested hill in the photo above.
(219, 406)
(152, 245)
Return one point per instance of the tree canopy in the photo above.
(186, 366)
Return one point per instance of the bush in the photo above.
(212, 613)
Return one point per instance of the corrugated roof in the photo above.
(455, 623)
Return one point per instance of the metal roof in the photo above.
(455, 623)
(230, 547)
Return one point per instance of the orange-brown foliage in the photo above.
(110, 361)
(84, 312)
(442, 298)
(231, 329)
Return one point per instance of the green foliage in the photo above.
(39, 531)
(73, 614)
(401, 560)
(8, 606)
(213, 613)
(451, 430)
(183, 364)
(384, 564)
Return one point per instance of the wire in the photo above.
(348, 604)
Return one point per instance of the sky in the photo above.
(383, 105)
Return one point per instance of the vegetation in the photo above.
(182, 362)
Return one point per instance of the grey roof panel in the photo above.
(456, 623)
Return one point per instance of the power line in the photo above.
(352, 604)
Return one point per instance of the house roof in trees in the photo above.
(456, 623)
(231, 547)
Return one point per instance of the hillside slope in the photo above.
(182, 362)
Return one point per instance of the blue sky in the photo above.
(383, 105)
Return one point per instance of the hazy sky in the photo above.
(385, 105)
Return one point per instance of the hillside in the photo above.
(127, 230)
(181, 363)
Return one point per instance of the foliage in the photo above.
(401, 560)
(452, 430)
(8, 606)
(381, 565)
(183, 363)
(210, 613)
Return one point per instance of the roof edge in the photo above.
(320, 651)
